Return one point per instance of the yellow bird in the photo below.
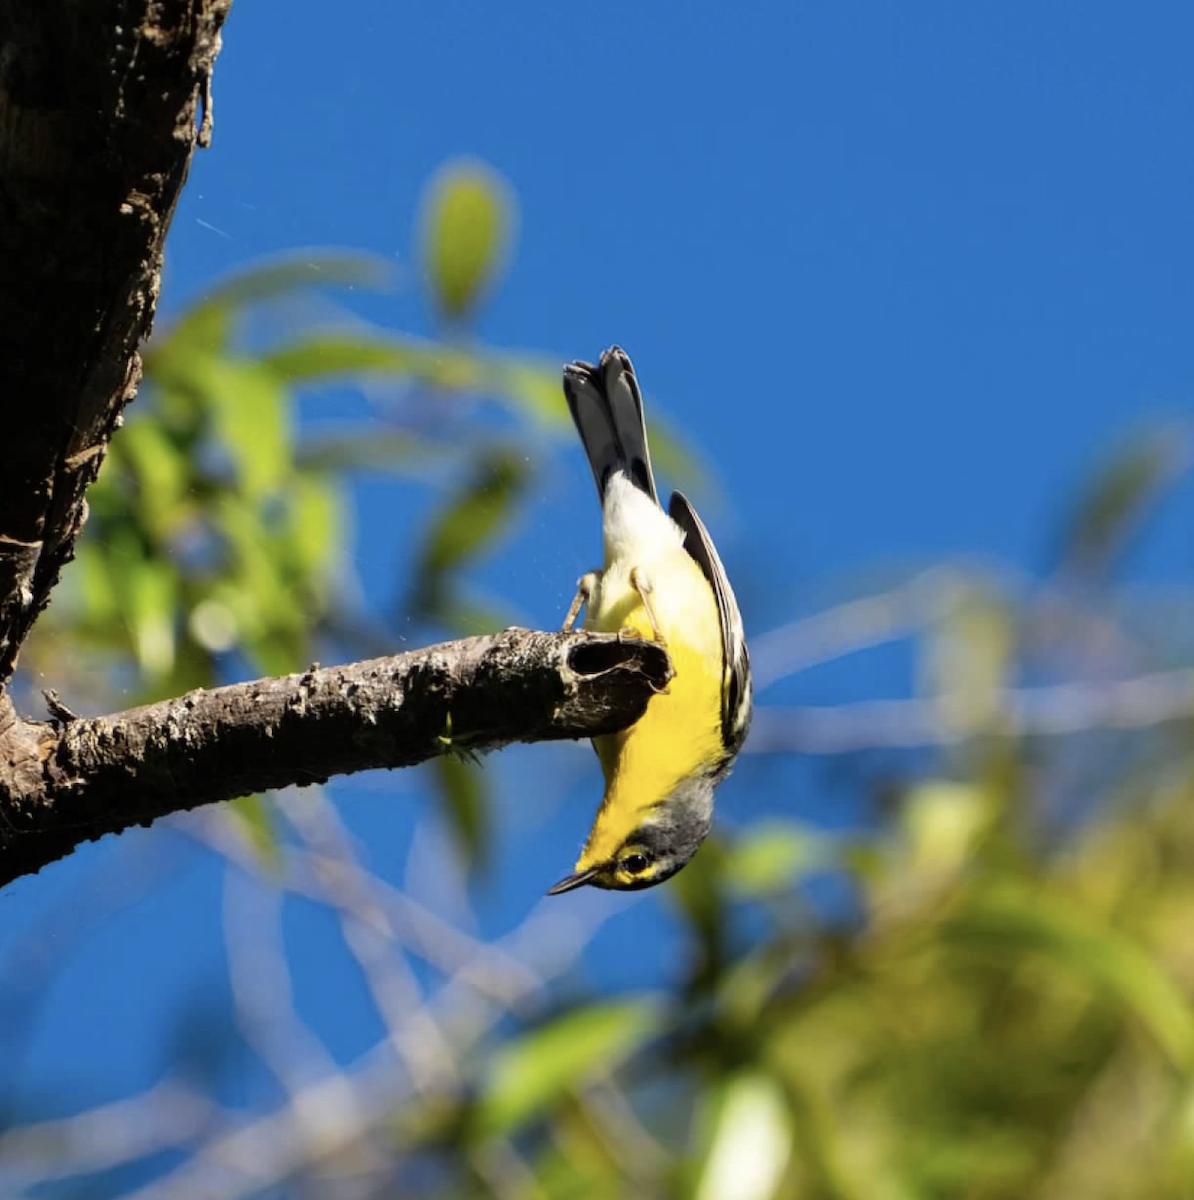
(663, 580)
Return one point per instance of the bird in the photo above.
(662, 580)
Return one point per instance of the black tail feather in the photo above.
(607, 407)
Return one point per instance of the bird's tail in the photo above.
(608, 410)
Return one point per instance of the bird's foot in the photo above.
(585, 586)
(641, 582)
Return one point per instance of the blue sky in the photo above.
(918, 263)
(903, 273)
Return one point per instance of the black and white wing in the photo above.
(735, 689)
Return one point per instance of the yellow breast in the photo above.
(680, 733)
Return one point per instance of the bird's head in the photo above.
(651, 846)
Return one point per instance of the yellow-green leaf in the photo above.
(253, 421)
(534, 388)
(462, 793)
(161, 470)
(323, 356)
(149, 591)
(1121, 491)
(99, 593)
(530, 1073)
(213, 625)
(207, 323)
(944, 820)
(473, 517)
(773, 855)
(749, 1143)
(254, 819)
(466, 221)
(375, 448)
(317, 522)
(1104, 957)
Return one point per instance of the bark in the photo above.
(74, 779)
(100, 105)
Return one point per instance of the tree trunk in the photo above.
(101, 105)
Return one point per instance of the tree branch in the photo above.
(99, 107)
(65, 783)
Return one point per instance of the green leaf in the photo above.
(530, 1073)
(466, 222)
(323, 356)
(437, 365)
(944, 820)
(205, 329)
(1115, 501)
(471, 519)
(213, 626)
(699, 892)
(680, 464)
(253, 419)
(379, 449)
(99, 592)
(461, 788)
(317, 522)
(161, 470)
(149, 595)
(259, 589)
(207, 323)
(532, 388)
(772, 855)
(749, 1142)
(1110, 961)
(254, 819)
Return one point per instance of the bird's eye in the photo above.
(635, 864)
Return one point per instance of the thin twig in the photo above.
(852, 626)
(243, 1160)
(102, 1138)
(365, 926)
(1068, 708)
(262, 994)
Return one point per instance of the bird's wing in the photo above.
(735, 689)
(607, 407)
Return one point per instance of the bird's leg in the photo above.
(584, 593)
(640, 581)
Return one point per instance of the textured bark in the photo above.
(99, 114)
(100, 107)
(74, 779)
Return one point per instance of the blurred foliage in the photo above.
(998, 1004)
(465, 232)
(1114, 504)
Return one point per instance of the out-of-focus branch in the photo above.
(502, 978)
(163, 1118)
(70, 781)
(1011, 712)
(352, 892)
(100, 106)
(852, 626)
(262, 990)
(314, 1127)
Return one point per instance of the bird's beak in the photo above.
(579, 879)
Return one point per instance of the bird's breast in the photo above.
(680, 733)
